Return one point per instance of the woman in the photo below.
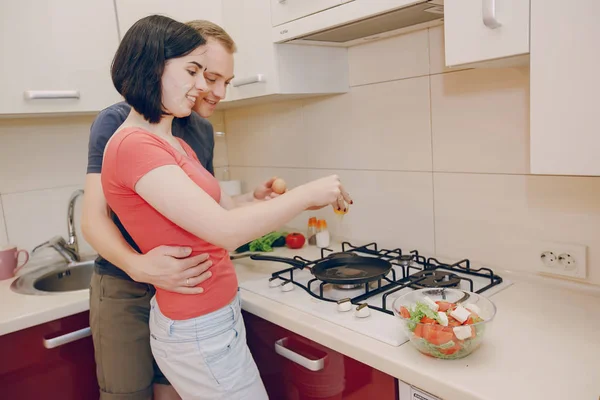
(164, 196)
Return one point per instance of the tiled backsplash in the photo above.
(436, 159)
(42, 162)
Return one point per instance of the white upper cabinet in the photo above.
(479, 31)
(565, 83)
(264, 69)
(288, 10)
(130, 11)
(56, 56)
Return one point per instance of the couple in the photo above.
(150, 163)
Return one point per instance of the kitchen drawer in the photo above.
(30, 370)
(294, 367)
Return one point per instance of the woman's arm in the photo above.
(165, 267)
(172, 193)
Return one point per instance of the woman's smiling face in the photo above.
(183, 82)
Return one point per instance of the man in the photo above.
(124, 280)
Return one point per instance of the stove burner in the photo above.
(348, 286)
(405, 259)
(435, 279)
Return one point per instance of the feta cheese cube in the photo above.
(443, 318)
(432, 304)
(461, 314)
(462, 332)
(473, 307)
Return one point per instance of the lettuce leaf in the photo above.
(421, 310)
(433, 350)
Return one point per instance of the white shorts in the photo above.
(206, 357)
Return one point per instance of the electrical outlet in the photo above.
(562, 259)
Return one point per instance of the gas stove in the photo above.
(366, 307)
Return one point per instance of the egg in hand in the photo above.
(278, 186)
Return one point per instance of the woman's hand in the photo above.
(325, 191)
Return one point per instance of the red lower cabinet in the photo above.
(293, 367)
(51, 361)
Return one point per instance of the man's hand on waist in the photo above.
(171, 268)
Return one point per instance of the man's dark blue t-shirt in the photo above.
(195, 130)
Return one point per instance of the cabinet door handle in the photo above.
(67, 338)
(489, 14)
(311, 365)
(247, 81)
(51, 94)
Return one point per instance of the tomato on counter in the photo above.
(295, 240)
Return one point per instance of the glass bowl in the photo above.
(453, 341)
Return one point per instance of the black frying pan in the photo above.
(340, 268)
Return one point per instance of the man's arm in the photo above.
(164, 267)
(261, 193)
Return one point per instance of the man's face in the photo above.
(218, 74)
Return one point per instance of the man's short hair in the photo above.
(139, 62)
(211, 30)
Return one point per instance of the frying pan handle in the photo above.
(291, 261)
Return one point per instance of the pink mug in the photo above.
(9, 261)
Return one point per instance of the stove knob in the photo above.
(362, 311)
(274, 282)
(344, 305)
(287, 286)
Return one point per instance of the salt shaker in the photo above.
(323, 237)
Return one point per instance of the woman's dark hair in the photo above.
(139, 62)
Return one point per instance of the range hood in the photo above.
(358, 21)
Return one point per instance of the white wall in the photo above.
(436, 159)
(42, 161)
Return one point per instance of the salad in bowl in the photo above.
(444, 323)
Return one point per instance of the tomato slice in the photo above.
(418, 331)
(427, 320)
(437, 334)
(444, 305)
(404, 312)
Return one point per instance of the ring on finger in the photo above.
(187, 281)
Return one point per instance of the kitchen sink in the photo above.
(56, 278)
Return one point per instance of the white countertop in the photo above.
(20, 311)
(544, 342)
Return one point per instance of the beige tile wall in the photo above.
(436, 158)
(42, 161)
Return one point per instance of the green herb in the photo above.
(266, 242)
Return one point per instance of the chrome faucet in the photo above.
(68, 249)
(72, 241)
